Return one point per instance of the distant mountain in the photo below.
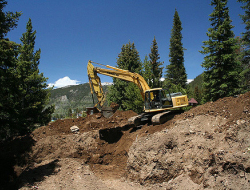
(72, 97)
(198, 81)
(196, 90)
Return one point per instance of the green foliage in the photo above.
(245, 54)
(69, 113)
(155, 67)
(32, 94)
(176, 72)
(146, 70)
(198, 94)
(23, 93)
(195, 89)
(134, 100)
(198, 81)
(124, 93)
(8, 20)
(129, 59)
(173, 88)
(8, 87)
(8, 63)
(221, 66)
(116, 92)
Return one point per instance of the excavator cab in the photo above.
(157, 99)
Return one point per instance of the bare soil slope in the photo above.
(207, 147)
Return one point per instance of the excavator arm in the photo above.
(117, 73)
(95, 85)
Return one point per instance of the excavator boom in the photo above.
(117, 73)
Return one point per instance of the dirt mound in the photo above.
(102, 143)
(231, 108)
(90, 123)
(114, 106)
(206, 147)
(194, 148)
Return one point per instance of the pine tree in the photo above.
(129, 58)
(176, 72)
(33, 94)
(156, 69)
(8, 62)
(245, 74)
(146, 71)
(197, 94)
(8, 20)
(69, 112)
(221, 66)
(124, 93)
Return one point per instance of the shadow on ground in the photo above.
(15, 163)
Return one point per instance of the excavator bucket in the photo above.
(107, 112)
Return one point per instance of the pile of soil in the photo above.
(206, 147)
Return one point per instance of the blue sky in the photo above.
(70, 33)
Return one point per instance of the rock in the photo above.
(74, 129)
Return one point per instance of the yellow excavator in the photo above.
(158, 102)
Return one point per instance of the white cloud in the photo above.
(107, 83)
(189, 80)
(62, 82)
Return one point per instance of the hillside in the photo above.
(195, 89)
(207, 147)
(71, 97)
(196, 82)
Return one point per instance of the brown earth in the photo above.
(207, 147)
